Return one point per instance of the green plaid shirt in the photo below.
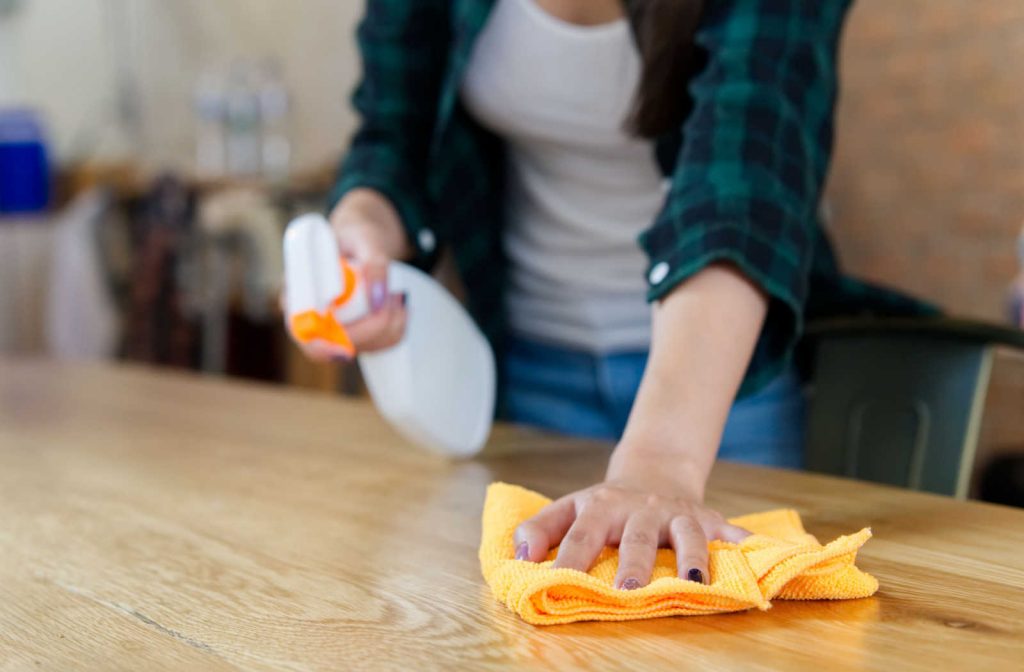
(747, 166)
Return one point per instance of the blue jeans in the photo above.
(580, 394)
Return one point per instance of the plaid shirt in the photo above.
(746, 168)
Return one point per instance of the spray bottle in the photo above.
(437, 385)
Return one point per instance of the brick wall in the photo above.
(927, 187)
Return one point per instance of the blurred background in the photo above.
(174, 140)
(152, 151)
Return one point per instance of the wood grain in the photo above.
(162, 521)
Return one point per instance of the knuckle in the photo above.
(578, 535)
(654, 501)
(589, 505)
(638, 538)
(685, 525)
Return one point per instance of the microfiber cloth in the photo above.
(779, 560)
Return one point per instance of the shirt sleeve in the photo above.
(755, 151)
(403, 48)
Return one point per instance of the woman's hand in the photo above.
(704, 333)
(369, 234)
(642, 505)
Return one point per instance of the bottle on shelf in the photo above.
(275, 107)
(243, 122)
(211, 115)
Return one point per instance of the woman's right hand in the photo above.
(370, 235)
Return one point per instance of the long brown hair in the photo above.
(665, 32)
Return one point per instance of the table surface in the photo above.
(162, 521)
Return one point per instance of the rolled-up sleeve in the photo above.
(755, 152)
(403, 49)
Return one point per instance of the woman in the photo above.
(538, 139)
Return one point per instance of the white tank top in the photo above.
(580, 189)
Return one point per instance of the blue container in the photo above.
(24, 163)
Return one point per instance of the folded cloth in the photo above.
(779, 560)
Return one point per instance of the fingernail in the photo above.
(378, 295)
(695, 575)
(522, 552)
(630, 584)
(405, 298)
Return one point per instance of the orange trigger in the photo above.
(310, 325)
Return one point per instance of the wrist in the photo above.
(669, 471)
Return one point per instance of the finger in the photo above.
(380, 330)
(359, 245)
(395, 329)
(536, 536)
(691, 545)
(355, 244)
(322, 352)
(584, 540)
(637, 552)
(374, 270)
(717, 527)
(372, 332)
(731, 533)
(314, 352)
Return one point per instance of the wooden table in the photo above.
(161, 521)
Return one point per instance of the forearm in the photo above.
(704, 333)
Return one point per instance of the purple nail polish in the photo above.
(378, 295)
(695, 575)
(522, 552)
(631, 584)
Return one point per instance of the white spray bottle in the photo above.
(437, 385)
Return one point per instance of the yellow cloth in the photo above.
(779, 560)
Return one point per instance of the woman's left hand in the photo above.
(643, 504)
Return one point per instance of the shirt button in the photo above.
(427, 240)
(658, 273)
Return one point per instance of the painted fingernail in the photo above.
(630, 584)
(522, 552)
(405, 298)
(378, 295)
(695, 575)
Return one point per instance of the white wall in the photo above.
(59, 55)
(53, 57)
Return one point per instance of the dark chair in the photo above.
(900, 401)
